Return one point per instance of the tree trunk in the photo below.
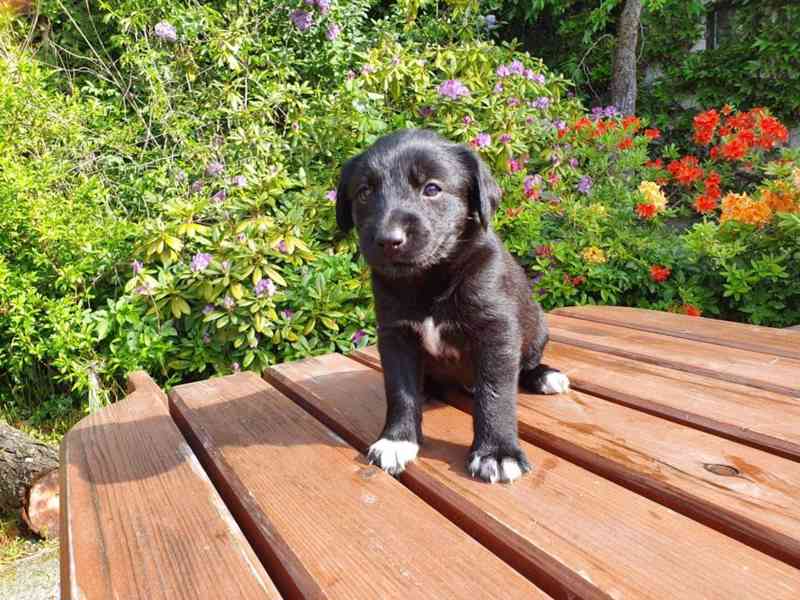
(22, 460)
(623, 82)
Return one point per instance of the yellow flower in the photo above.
(653, 194)
(742, 208)
(597, 209)
(593, 254)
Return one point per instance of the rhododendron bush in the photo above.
(179, 187)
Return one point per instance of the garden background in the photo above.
(167, 171)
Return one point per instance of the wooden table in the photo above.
(671, 471)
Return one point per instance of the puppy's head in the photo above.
(413, 198)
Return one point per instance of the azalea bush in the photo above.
(167, 191)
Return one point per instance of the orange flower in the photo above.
(781, 200)
(742, 208)
(727, 109)
(631, 122)
(705, 204)
(691, 310)
(685, 170)
(704, 125)
(654, 164)
(653, 134)
(646, 211)
(625, 144)
(660, 273)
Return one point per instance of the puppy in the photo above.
(452, 304)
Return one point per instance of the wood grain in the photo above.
(763, 371)
(325, 523)
(140, 518)
(758, 418)
(768, 340)
(575, 532)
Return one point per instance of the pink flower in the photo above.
(453, 89)
(481, 140)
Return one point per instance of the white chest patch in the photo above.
(431, 336)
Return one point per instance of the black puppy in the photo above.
(452, 304)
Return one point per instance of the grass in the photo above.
(17, 542)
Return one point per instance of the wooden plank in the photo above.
(758, 418)
(746, 493)
(768, 340)
(325, 523)
(586, 536)
(141, 519)
(774, 373)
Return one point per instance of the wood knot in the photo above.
(723, 470)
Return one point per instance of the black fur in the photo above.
(438, 257)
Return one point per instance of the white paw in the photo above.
(555, 383)
(392, 455)
(487, 469)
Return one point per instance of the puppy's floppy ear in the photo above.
(485, 194)
(344, 203)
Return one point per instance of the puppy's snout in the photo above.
(391, 239)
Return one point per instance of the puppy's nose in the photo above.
(392, 239)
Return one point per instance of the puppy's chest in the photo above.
(442, 339)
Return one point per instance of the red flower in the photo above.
(692, 311)
(631, 122)
(653, 134)
(543, 250)
(727, 109)
(705, 204)
(704, 125)
(735, 149)
(659, 273)
(654, 164)
(686, 170)
(714, 152)
(625, 144)
(576, 281)
(646, 211)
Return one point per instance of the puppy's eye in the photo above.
(363, 193)
(431, 190)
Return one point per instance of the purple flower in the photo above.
(531, 182)
(208, 309)
(265, 286)
(219, 197)
(514, 165)
(505, 138)
(597, 113)
(239, 181)
(367, 69)
(453, 89)
(323, 6)
(535, 77)
(137, 267)
(542, 102)
(236, 368)
(287, 313)
(555, 160)
(331, 195)
(426, 112)
(516, 67)
(333, 31)
(302, 19)
(295, 126)
(214, 168)
(498, 88)
(573, 162)
(585, 184)
(282, 247)
(490, 22)
(481, 140)
(165, 32)
(503, 71)
(196, 187)
(200, 262)
(358, 336)
(560, 125)
(611, 111)
(228, 303)
(513, 101)
(467, 120)
(146, 289)
(351, 75)
(180, 176)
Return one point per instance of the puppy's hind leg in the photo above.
(537, 377)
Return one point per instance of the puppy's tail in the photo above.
(544, 380)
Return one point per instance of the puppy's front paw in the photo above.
(555, 382)
(498, 465)
(392, 455)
